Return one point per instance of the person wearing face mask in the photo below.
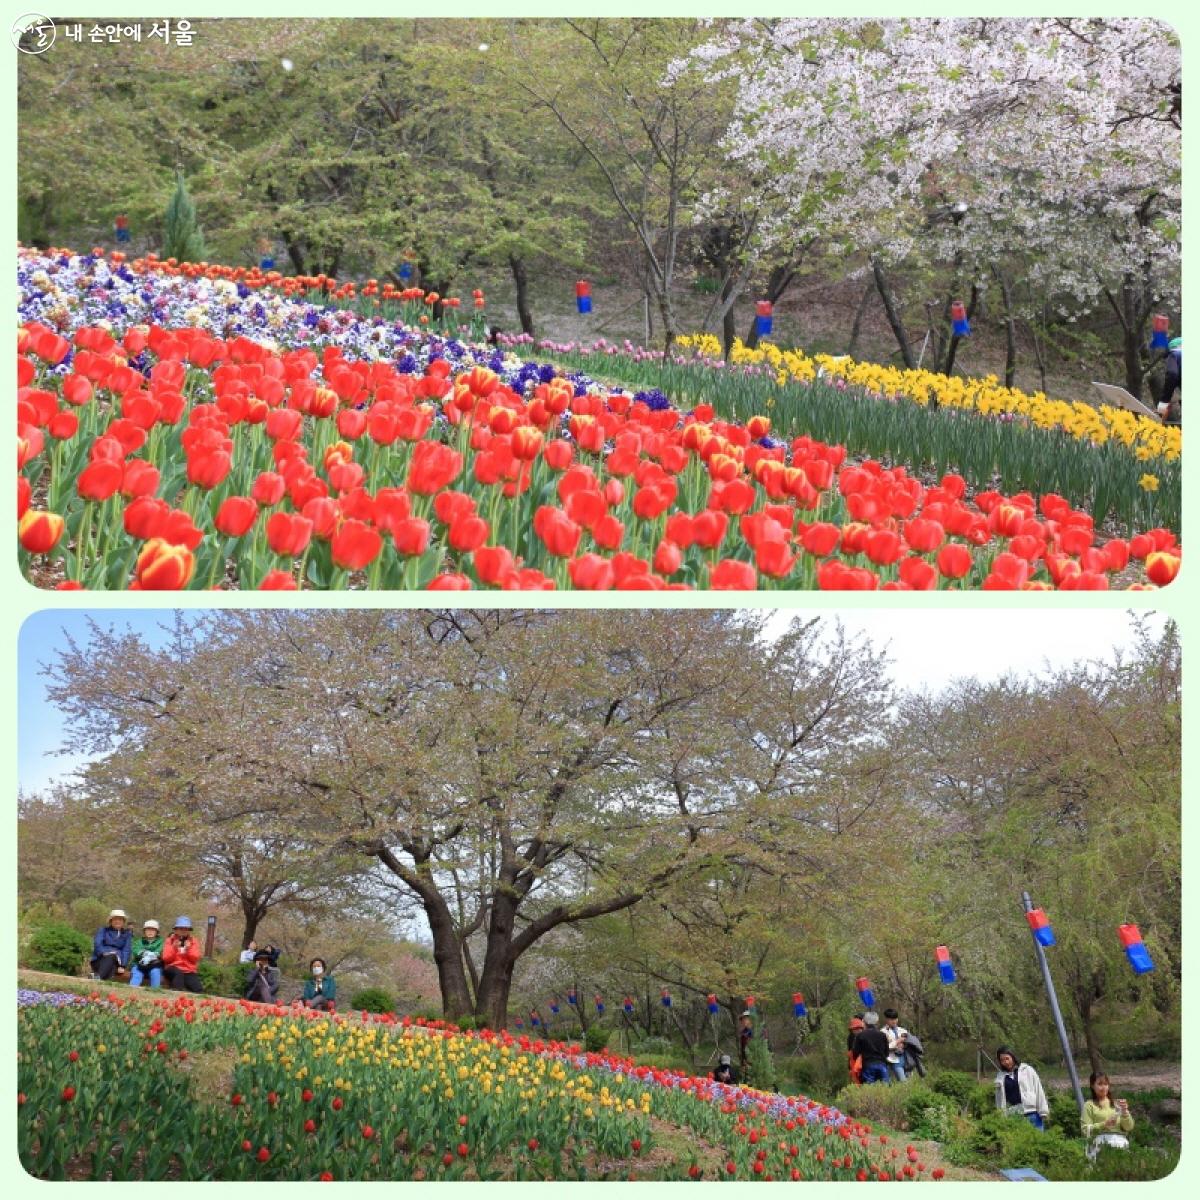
(320, 990)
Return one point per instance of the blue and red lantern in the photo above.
(406, 270)
(583, 296)
(520, 1023)
(1135, 949)
(763, 317)
(627, 1005)
(958, 319)
(713, 1006)
(266, 263)
(944, 965)
(554, 1007)
(572, 998)
(534, 1019)
(1040, 924)
(599, 1004)
(865, 994)
(799, 1008)
(1159, 338)
(750, 1003)
(666, 998)
(122, 228)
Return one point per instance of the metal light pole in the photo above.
(1058, 1019)
(210, 937)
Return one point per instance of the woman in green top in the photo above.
(145, 959)
(1105, 1122)
(320, 991)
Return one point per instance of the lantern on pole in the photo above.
(944, 965)
(583, 296)
(713, 1007)
(1158, 338)
(763, 316)
(520, 1023)
(210, 937)
(1043, 932)
(572, 998)
(1135, 949)
(666, 998)
(627, 1005)
(865, 994)
(406, 270)
(122, 228)
(599, 1004)
(799, 1008)
(750, 1004)
(554, 1006)
(534, 1019)
(958, 319)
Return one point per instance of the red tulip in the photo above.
(288, 534)
(99, 479)
(235, 516)
(559, 533)
(954, 560)
(591, 572)
(355, 545)
(433, 466)
(729, 575)
(1161, 567)
(278, 581)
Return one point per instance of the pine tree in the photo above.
(183, 239)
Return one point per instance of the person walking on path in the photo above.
(897, 1038)
(871, 1045)
(1019, 1090)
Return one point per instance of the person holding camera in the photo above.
(1105, 1121)
(263, 984)
(181, 957)
(897, 1039)
(320, 990)
(147, 956)
(111, 947)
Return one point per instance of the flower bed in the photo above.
(191, 1089)
(173, 432)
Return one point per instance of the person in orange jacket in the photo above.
(854, 1061)
(181, 954)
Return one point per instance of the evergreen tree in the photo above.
(182, 237)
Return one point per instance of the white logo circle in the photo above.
(33, 33)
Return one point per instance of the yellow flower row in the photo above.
(1097, 424)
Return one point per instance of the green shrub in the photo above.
(1012, 1142)
(222, 979)
(1064, 1113)
(930, 1115)
(373, 1000)
(1136, 1163)
(760, 1065)
(982, 1100)
(884, 1103)
(799, 1076)
(596, 1038)
(57, 947)
(958, 1085)
(653, 1046)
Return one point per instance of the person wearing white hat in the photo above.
(111, 947)
(147, 956)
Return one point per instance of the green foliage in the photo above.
(981, 1100)
(929, 1114)
(958, 1085)
(1005, 1141)
(596, 1038)
(222, 979)
(373, 1000)
(1064, 1112)
(182, 238)
(883, 1103)
(760, 1064)
(58, 947)
(654, 1046)
(800, 1076)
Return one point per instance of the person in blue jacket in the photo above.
(111, 947)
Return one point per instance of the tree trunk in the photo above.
(521, 280)
(447, 956)
(895, 320)
(952, 352)
(778, 282)
(1010, 330)
(1087, 1012)
(860, 312)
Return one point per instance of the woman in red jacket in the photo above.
(181, 953)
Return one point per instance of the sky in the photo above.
(928, 648)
